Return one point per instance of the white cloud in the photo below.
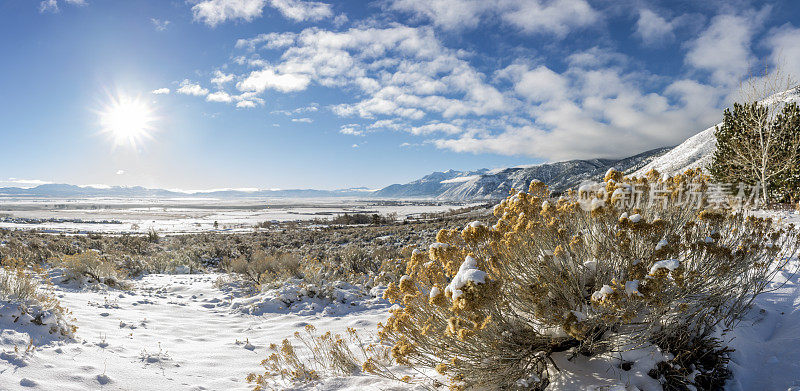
(785, 46)
(258, 81)
(120, 172)
(214, 12)
(189, 88)
(340, 20)
(52, 5)
(304, 120)
(597, 57)
(160, 25)
(537, 85)
(402, 71)
(267, 41)
(583, 113)
(299, 10)
(351, 129)
(436, 127)
(246, 104)
(219, 96)
(653, 29)
(556, 17)
(160, 91)
(311, 108)
(221, 78)
(723, 49)
(447, 14)
(404, 79)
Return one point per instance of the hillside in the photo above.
(495, 184)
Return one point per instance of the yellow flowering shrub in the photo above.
(486, 305)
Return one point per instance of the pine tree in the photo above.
(758, 144)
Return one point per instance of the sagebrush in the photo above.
(486, 306)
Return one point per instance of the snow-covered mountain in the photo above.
(495, 184)
(71, 191)
(696, 151)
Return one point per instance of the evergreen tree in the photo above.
(758, 146)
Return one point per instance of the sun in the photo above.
(128, 121)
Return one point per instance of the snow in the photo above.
(767, 341)
(192, 332)
(114, 215)
(696, 151)
(438, 245)
(434, 292)
(670, 264)
(632, 288)
(603, 292)
(635, 218)
(468, 272)
(170, 332)
(604, 372)
(461, 179)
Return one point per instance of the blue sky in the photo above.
(297, 94)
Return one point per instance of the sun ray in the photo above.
(127, 121)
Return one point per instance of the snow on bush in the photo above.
(28, 307)
(91, 268)
(489, 306)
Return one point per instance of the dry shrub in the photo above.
(329, 354)
(163, 262)
(487, 306)
(22, 286)
(29, 288)
(91, 267)
(261, 268)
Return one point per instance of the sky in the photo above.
(209, 94)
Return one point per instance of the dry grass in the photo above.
(326, 354)
(30, 290)
(91, 267)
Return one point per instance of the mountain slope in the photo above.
(695, 152)
(494, 184)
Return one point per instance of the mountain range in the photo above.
(482, 184)
(494, 184)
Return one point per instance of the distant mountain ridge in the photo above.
(494, 184)
(73, 191)
(454, 185)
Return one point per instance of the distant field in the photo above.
(110, 215)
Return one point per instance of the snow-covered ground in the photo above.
(107, 215)
(189, 332)
(171, 332)
(767, 343)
